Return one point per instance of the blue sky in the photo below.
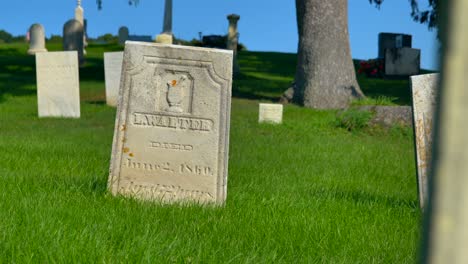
(265, 25)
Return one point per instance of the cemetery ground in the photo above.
(307, 190)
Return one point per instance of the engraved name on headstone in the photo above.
(58, 92)
(424, 100)
(112, 72)
(271, 113)
(171, 137)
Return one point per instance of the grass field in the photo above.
(304, 191)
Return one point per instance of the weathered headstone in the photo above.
(171, 138)
(73, 38)
(424, 88)
(392, 41)
(446, 234)
(112, 71)
(123, 35)
(270, 113)
(402, 61)
(233, 38)
(37, 39)
(58, 92)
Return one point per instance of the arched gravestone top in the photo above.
(37, 39)
(73, 37)
(123, 35)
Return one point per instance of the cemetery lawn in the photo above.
(304, 191)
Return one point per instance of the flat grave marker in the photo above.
(270, 113)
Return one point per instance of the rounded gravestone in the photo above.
(73, 38)
(37, 39)
(123, 35)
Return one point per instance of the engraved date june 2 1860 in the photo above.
(184, 168)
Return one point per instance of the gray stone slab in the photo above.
(112, 70)
(402, 61)
(270, 113)
(58, 93)
(171, 137)
(424, 89)
(37, 39)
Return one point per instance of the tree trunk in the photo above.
(325, 75)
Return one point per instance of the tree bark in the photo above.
(325, 74)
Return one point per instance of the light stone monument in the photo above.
(446, 234)
(233, 39)
(79, 16)
(171, 137)
(112, 72)
(123, 35)
(270, 113)
(58, 92)
(424, 89)
(73, 38)
(166, 37)
(37, 39)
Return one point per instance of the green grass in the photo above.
(304, 191)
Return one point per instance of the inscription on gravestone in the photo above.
(424, 100)
(58, 92)
(112, 71)
(171, 138)
(271, 113)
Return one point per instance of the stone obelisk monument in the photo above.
(166, 36)
(79, 15)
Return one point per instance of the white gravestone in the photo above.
(58, 92)
(112, 71)
(171, 137)
(270, 113)
(424, 89)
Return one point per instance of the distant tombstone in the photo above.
(171, 139)
(402, 61)
(36, 39)
(58, 92)
(79, 15)
(270, 113)
(123, 35)
(112, 71)
(166, 37)
(424, 88)
(392, 41)
(233, 38)
(73, 38)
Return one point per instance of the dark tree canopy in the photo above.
(429, 16)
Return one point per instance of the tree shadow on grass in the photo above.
(17, 73)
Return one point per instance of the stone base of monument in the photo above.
(34, 51)
(164, 38)
(388, 116)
